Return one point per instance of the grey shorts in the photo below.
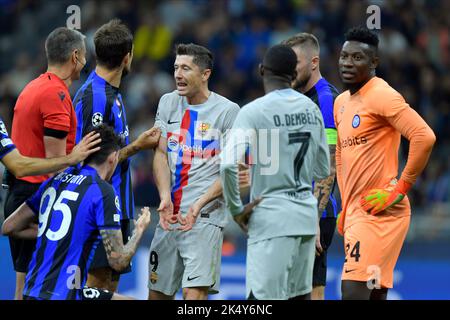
(186, 259)
(280, 268)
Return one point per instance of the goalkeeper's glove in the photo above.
(377, 200)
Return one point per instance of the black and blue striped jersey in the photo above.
(323, 94)
(98, 102)
(72, 207)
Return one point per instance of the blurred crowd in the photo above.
(414, 48)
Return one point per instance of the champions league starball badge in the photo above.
(97, 119)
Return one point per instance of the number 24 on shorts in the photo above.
(354, 253)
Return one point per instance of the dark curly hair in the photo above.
(110, 142)
(362, 34)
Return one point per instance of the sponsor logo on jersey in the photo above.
(353, 141)
(172, 143)
(197, 151)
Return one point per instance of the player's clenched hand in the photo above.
(148, 139)
(376, 200)
(166, 216)
(243, 218)
(188, 222)
(144, 219)
(85, 147)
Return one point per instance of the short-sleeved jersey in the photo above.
(367, 149)
(44, 103)
(6, 144)
(288, 149)
(323, 94)
(72, 207)
(98, 102)
(195, 135)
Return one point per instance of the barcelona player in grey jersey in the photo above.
(193, 122)
(283, 224)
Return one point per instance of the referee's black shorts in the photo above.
(327, 228)
(21, 250)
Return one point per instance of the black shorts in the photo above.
(87, 293)
(100, 259)
(327, 227)
(21, 250)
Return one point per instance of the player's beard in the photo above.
(299, 84)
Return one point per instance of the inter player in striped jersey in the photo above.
(193, 121)
(100, 101)
(310, 82)
(370, 118)
(70, 215)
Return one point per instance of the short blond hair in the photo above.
(303, 40)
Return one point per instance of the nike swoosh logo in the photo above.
(190, 279)
(172, 122)
(347, 271)
(119, 114)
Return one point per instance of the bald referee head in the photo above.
(278, 68)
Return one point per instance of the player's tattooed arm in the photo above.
(119, 255)
(322, 188)
(146, 140)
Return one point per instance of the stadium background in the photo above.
(415, 59)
